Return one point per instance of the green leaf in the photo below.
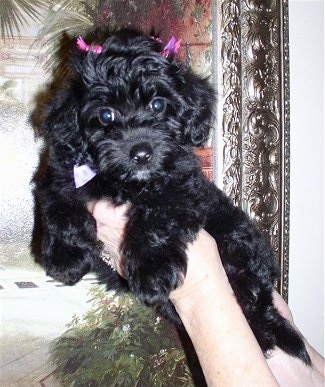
(125, 347)
(14, 14)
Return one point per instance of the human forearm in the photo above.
(217, 327)
(222, 338)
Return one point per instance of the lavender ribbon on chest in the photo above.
(82, 174)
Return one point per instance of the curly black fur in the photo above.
(134, 117)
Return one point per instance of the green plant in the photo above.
(119, 342)
(14, 14)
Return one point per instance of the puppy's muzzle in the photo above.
(141, 153)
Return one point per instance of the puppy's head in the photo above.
(128, 110)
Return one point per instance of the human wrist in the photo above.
(192, 296)
(211, 303)
(205, 276)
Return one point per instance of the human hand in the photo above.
(204, 268)
(288, 370)
(203, 256)
(111, 221)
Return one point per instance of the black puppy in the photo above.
(124, 128)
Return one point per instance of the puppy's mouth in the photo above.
(141, 175)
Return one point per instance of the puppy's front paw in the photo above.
(68, 271)
(68, 276)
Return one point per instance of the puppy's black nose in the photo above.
(141, 153)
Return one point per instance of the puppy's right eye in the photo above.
(106, 116)
(158, 105)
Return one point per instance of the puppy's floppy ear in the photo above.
(197, 114)
(58, 123)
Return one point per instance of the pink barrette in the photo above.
(83, 46)
(171, 48)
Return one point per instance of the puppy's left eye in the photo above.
(158, 105)
(106, 116)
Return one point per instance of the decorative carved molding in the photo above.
(253, 114)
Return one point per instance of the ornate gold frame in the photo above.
(251, 70)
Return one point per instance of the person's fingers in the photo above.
(107, 213)
(110, 220)
(101, 209)
(90, 206)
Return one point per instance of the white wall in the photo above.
(306, 259)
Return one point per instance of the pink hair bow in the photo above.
(171, 48)
(83, 46)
